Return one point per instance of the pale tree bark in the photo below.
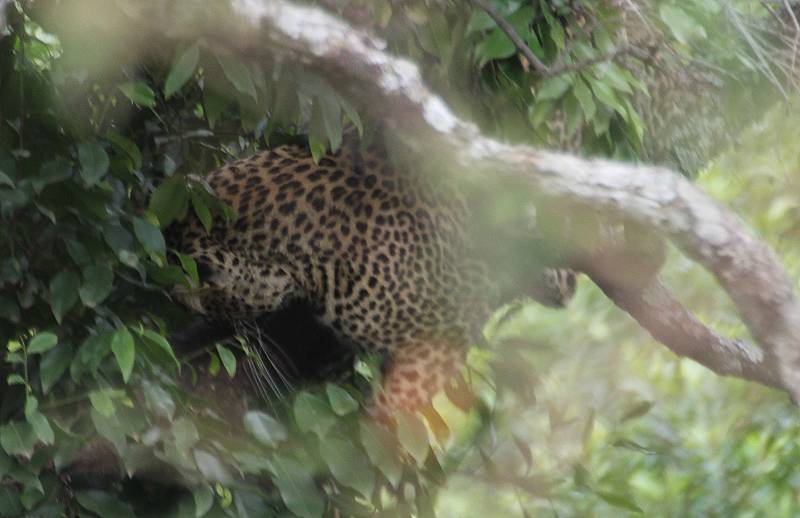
(651, 197)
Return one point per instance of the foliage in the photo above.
(103, 142)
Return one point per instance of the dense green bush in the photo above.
(104, 138)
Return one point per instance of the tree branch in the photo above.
(564, 67)
(657, 310)
(652, 197)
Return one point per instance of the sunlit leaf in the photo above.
(238, 74)
(185, 433)
(341, 401)
(158, 400)
(682, 25)
(268, 430)
(211, 467)
(139, 93)
(18, 438)
(203, 497)
(297, 488)
(42, 342)
(182, 70)
(102, 402)
(413, 436)
(347, 463)
(313, 414)
(554, 87)
(124, 350)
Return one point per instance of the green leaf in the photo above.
(102, 402)
(351, 113)
(378, 443)
(42, 342)
(117, 237)
(341, 401)
(185, 433)
(331, 119)
(124, 351)
(313, 414)
(585, 98)
(63, 293)
(189, 266)
(238, 74)
(158, 400)
(202, 211)
(163, 347)
(31, 406)
(214, 105)
(637, 410)
(92, 352)
(51, 172)
(297, 488)
(10, 501)
(553, 88)
(228, 360)
(620, 501)
(683, 26)
(139, 93)
(317, 146)
(41, 427)
(169, 200)
(348, 464)
(18, 438)
(617, 77)
(104, 504)
(496, 45)
(127, 147)
(265, 428)
(98, 280)
(538, 112)
(182, 70)
(212, 468)
(77, 252)
(203, 497)
(53, 365)
(413, 436)
(149, 236)
(605, 93)
(15, 379)
(94, 162)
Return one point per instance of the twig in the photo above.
(603, 58)
(515, 38)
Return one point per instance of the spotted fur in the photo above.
(382, 258)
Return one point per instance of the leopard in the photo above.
(382, 256)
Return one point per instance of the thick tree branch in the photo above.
(657, 310)
(651, 197)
